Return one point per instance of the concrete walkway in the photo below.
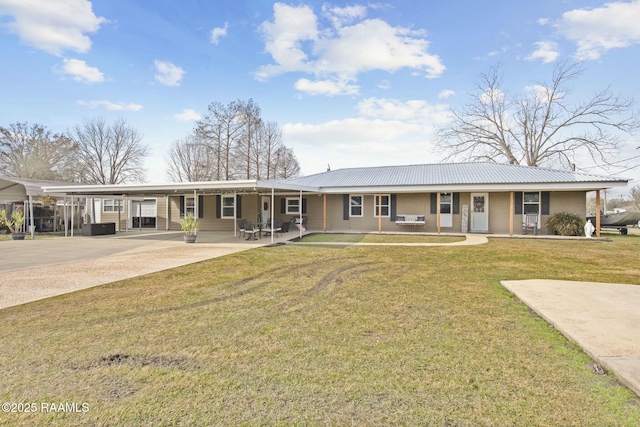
(602, 318)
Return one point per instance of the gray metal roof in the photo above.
(452, 174)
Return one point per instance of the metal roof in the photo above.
(456, 176)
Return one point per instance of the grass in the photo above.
(6, 237)
(306, 335)
(378, 238)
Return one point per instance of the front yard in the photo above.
(320, 335)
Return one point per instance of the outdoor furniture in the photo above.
(413, 220)
(277, 228)
(252, 230)
(242, 227)
(530, 222)
(285, 227)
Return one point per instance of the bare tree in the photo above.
(271, 143)
(247, 148)
(220, 129)
(35, 152)
(634, 195)
(190, 160)
(111, 154)
(287, 165)
(542, 127)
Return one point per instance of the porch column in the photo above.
(166, 212)
(300, 210)
(235, 213)
(64, 214)
(511, 210)
(438, 211)
(324, 213)
(32, 228)
(597, 213)
(72, 217)
(379, 212)
(273, 213)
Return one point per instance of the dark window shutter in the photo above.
(434, 203)
(304, 205)
(283, 205)
(200, 206)
(345, 207)
(544, 199)
(238, 206)
(393, 201)
(218, 206)
(518, 203)
(181, 206)
(456, 203)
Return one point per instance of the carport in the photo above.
(226, 198)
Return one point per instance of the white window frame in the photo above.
(293, 206)
(191, 208)
(537, 203)
(526, 203)
(386, 206)
(231, 207)
(111, 203)
(360, 205)
(445, 202)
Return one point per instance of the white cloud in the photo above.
(168, 74)
(339, 52)
(595, 31)
(416, 110)
(111, 106)
(546, 51)
(343, 15)
(384, 132)
(52, 26)
(218, 33)
(80, 71)
(446, 94)
(326, 87)
(543, 21)
(187, 115)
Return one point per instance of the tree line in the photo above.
(231, 142)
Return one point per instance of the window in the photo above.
(293, 206)
(355, 205)
(446, 200)
(531, 203)
(228, 207)
(110, 205)
(385, 205)
(189, 205)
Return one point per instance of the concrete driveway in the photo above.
(602, 318)
(41, 268)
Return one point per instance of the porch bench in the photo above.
(413, 220)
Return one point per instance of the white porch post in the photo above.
(272, 213)
(166, 212)
(72, 217)
(32, 228)
(300, 209)
(235, 213)
(66, 218)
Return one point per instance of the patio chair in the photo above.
(277, 228)
(252, 229)
(285, 227)
(530, 222)
(242, 227)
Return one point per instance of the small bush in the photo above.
(566, 224)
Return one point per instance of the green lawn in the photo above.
(320, 335)
(378, 238)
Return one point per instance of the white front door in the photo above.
(265, 209)
(446, 210)
(480, 212)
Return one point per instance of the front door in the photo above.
(265, 209)
(480, 212)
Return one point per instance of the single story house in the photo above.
(445, 197)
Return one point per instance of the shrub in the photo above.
(565, 224)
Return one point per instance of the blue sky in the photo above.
(350, 84)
